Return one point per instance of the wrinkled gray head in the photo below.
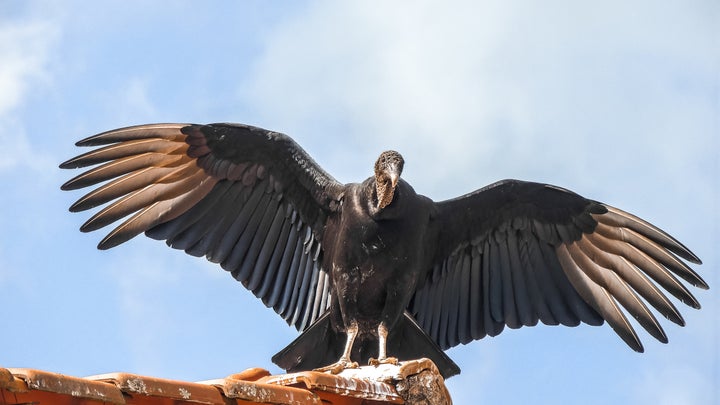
(388, 169)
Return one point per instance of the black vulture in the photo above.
(371, 270)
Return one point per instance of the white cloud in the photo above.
(133, 102)
(18, 151)
(539, 82)
(388, 77)
(25, 48)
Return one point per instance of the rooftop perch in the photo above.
(410, 382)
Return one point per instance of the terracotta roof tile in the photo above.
(338, 389)
(140, 389)
(26, 385)
(364, 386)
(266, 393)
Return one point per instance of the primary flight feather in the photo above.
(373, 271)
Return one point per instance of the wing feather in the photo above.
(500, 284)
(303, 317)
(268, 246)
(464, 293)
(436, 308)
(546, 287)
(537, 309)
(294, 279)
(143, 198)
(158, 212)
(635, 278)
(598, 298)
(172, 232)
(247, 198)
(449, 317)
(619, 289)
(208, 230)
(621, 219)
(164, 131)
(123, 166)
(526, 315)
(477, 296)
(536, 252)
(508, 294)
(301, 295)
(645, 245)
(235, 243)
(492, 294)
(577, 307)
(649, 266)
(326, 301)
(127, 149)
(285, 271)
(244, 262)
(271, 276)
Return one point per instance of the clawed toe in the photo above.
(338, 367)
(384, 360)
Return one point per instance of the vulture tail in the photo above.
(317, 346)
(321, 345)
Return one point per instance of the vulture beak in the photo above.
(394, 176)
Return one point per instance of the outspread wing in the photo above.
(247, 198)
(515, 253)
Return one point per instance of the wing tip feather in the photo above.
(116, 135)
(654, 233)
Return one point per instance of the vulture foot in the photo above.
(338, 367)
(383, 360)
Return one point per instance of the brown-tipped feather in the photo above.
(620, 218)
(657, 272)
(633, 276)
(652, 249)
(157, 213)
(123, 166)
(120, 187)
(167, 131)
(598, 298)
(124, 149)
(141, 199)
(619, 289)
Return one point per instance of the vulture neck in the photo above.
(385, 190)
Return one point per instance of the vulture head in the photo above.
(387, 173)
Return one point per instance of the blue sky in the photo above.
(618, 102)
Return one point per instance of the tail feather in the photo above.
(320, 345)
(317, 346)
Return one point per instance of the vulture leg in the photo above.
(382, 349)
(344, 362)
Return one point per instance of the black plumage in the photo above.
(372, 270)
